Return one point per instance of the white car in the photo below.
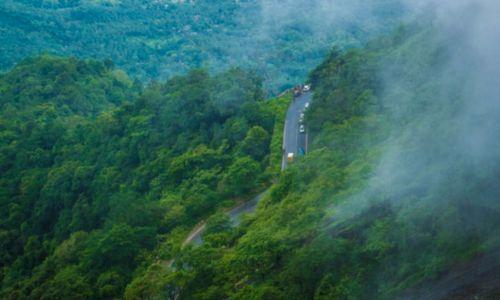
(306, 88)
(302, 129)
(301, 117)
(307, 105)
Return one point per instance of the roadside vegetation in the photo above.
(102, 177)
(97, 171)
(386, 203)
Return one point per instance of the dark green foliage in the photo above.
(160, 39)
(95, 170)
(67, 284)
(96, 200)
(241, 177)
(389, 201)
(256, 143)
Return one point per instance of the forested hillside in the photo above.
(102, 177)
(158, 39)
(399, 198)
(96, 171)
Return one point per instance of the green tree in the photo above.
(67, 284)
(256, 143)
(241, 177)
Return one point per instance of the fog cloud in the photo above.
(443, 100)
(441, 163)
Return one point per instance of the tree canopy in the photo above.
(97, 170)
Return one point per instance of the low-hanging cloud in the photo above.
(440, 167)
(324, 17)
(466, 98)
(445, 116)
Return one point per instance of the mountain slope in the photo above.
(399, 192)
(160, 39)
(397, 198)
(96, 171)
(72, 86)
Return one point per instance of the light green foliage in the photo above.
(280, 105)
(150, 285)
(241, 176)
(256, 143)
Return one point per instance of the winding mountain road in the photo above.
(235, 215)
(293, 142)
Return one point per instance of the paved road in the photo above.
(245, 208)
(294, 141)
(195, 237)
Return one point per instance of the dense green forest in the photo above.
(97, 170)
(102, 177)
(390, 204)
(158, 39)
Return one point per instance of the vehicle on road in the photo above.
(302, 129)
(307, 105)
(302, 152)
(290, 157)
(297, 91)
(301, 117)
(306, 88)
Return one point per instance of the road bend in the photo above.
(294, 142)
